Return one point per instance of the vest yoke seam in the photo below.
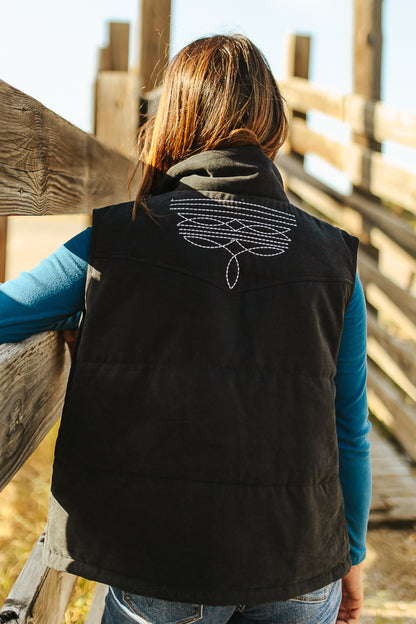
(295, 280)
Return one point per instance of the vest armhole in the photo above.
(95, 225)
(351, 243)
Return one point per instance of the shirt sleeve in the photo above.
(352, 423)
(50, 296)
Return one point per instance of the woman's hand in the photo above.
(352, 596)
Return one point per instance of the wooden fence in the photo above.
(381, 211)
(48, 166)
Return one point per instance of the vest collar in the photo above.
(240, 170)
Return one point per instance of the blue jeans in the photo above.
(318, 607)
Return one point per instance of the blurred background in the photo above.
(346, 68)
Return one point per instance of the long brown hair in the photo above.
(218, 91)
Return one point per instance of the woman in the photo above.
(213, 456)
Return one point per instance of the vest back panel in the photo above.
(201, 402)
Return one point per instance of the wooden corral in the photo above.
(387, 260)
(48, 166)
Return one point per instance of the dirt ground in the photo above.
(390, 576)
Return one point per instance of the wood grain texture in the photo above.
(371, 275)
(394, 261)
(154, 41)
(367, 47)
(372, 118)
(335, 206)
(33, 377)
(119, 45)
(40, 594)
(115, 55)
(95, 612)
(48, 166)
(365, 168)
(367, 58)
(386, 362)
(297, 66)
(394, 486)
(117, 110)
(387, 404)
(403, 354)
(3, 247)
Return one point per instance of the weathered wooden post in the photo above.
(116, 93)
(298, 55)
(154, 42)
(367, 72)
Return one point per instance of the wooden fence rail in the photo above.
(364, 168)
(387, 259)
(49, 166)
(373, 119)
(392, 308)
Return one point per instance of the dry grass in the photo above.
(23, 512)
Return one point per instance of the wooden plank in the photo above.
(40, 594)
(154, 41)
(393, 261)
(385, 361)
(328, 207)
(117, 110)
(119, 46)
(367, 61)
(394, 486)
(115, 56)
(33, 377)
(387, 297)
(48, 166)
(400, 299)
(302, 95)
(401, 353)
(298, 56)
(387, 123)
(300, 182)
(379, 121)
(365, 168)
(390, 312)
(370, 274)
(388, 406)
(96, 610)
(3, 248)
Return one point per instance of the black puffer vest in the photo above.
(197, 457)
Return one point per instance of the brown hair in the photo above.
(218, 91)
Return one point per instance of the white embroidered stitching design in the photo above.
(236, 226)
